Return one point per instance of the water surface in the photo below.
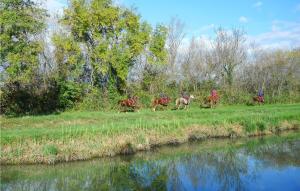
(269, 163)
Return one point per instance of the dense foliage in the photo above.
(101, 52)
(21, 21)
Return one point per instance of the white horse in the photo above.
(183, 101)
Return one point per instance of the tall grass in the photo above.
(85, 132)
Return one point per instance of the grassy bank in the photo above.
(83, 135)
(228, 158)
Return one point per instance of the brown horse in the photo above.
(210, 101)
(183, 101)
(130, 103)
(258, 99)
(163, 101)
(213, 100)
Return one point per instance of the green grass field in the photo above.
(82, 135)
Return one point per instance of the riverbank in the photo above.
(74, 136)
(224, 163)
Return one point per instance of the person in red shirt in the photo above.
(214, 97)
(214, 93)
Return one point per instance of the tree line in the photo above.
(100, 53)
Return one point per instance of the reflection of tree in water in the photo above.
(148, 175)
(138, 175)
(229, 167)
(223, 168)
(277, 155)
(214, 170)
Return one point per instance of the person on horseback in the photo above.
(163, 100)
(212, 99)
(185, 95)
(162, 95)
(183, 101)
(128, 104)
(260, 95)
(214, 93)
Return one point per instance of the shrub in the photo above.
(91, 101)
(145, 98)
(69, 94)
(21, 99)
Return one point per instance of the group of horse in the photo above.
(131, 104)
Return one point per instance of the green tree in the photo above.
(20, 23)
(68, 58)
(69, 68)
(157, 45)
(114, 37)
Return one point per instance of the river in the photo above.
(264, 163)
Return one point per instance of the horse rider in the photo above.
(162, 95)
(185, 95)
(260, 95)
(214, 94)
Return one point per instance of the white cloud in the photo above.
(243, 19)
(258, 4)
(283, 34)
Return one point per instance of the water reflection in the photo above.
(258, 164)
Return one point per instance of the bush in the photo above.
(145, 99)
(69, 94)
(112, 96)
(21, 99)
(91, 101)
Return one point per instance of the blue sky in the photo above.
(271, 23)
(255, 16)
